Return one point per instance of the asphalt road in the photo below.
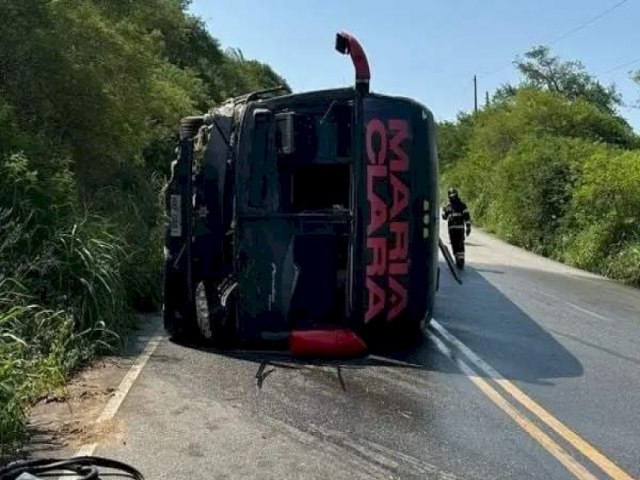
(530, 371)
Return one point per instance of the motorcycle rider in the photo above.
(459, 222)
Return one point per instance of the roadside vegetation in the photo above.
(91, 92)
(551, 166)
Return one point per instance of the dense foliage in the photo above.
(91, 92)
(550, 166)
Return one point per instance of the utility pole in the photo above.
(475, 94)
(486, 98)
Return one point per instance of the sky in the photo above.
(430, 50)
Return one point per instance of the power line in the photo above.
(589, 22)
(567, 34)
(497, 70)
(618, 67)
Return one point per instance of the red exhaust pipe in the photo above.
(348, 44)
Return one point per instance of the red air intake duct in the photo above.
(348, 44)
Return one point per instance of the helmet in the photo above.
(452, 193)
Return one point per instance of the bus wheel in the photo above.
(214, 313)
(203, 307)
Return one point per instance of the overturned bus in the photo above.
(309, 219)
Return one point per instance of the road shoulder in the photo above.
(62, 422)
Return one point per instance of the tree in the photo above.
(569, 78)
(452, 139)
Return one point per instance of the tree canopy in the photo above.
(542, 70)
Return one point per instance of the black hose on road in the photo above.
(85, 468)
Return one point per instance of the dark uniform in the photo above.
(459, 222)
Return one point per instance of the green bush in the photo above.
(625, 264)
(606, 216)
(533, 190)
(560, 177)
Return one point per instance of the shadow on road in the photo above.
(500, 332)
(478, 314)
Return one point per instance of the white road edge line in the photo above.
(560, 428)
(560, 454)
(573, 305)
(112, 406)
(548, 295)
(588, 312)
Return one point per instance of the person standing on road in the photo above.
(459, 223)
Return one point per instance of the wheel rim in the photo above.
(202, 311)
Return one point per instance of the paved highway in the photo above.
(531, 370)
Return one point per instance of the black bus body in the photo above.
(307, 218)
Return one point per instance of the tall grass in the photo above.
(33, 349)
(68, 287)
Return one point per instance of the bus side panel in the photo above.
(399, 194)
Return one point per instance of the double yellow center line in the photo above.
(445, 339)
